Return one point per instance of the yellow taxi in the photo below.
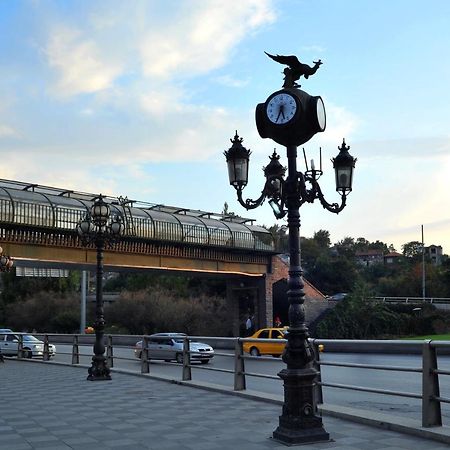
(268, 348)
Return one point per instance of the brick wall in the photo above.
(280, 271)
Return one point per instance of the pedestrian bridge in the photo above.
(38, 227)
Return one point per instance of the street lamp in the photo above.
(6, 262)
(99, 226)
(291, 117)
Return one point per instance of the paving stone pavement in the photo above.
(47, 406)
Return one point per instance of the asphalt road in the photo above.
(380, 379)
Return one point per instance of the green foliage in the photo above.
(159, 310)
(46, 312)
(355, 317)
(412, 249)
(332, 275)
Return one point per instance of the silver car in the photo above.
(32, 346)
(169, 347)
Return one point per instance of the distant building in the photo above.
(434, 254)
(369, 257)
(392, 258)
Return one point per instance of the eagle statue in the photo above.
(295, 69)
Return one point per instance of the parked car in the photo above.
(32, 346)
(268, 348)
(338, 297)
(169, 347)
(5, 330)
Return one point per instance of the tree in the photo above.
(412, 249)
(346, 247)
(322, 237)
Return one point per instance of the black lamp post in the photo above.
(298, 422)
(292, 117)
(6, 262)
(100, 227)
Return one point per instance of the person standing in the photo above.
(277, 322)
(249, 326)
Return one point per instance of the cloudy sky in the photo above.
(140, 99)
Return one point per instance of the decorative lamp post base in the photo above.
(99, 371)
(298, 423)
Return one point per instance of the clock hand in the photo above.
(280, 112)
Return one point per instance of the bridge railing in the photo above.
(431, 375)
(412, 300)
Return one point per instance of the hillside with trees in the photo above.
(197, 306)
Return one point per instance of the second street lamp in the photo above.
(99, 226)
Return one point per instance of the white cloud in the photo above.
(341, 123)
(228, 80)
(7, 131)
(202, 38)
(78, 62)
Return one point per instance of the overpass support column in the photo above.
(246, 296)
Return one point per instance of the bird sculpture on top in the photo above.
(295, 69)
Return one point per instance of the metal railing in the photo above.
(412, 300)
(430, 392)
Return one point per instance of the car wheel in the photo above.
(254, 351)
(205, 361)
(139, 355)
(276, 356)
(27, 353)
(179, 358)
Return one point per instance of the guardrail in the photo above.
(413, 300)
(430, 393)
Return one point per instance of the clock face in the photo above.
(321, 117)
(281, 108)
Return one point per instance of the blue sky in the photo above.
(140, 99)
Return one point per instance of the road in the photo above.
(380, 379)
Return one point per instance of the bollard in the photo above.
(20, 347)
(187, 375)
(239, 366)
(109, 352)
(145, 362)
(46, 355)
(431, 407)
(318, 392)
(75, 351)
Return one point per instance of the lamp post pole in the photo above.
(99, 369)
(298, 423)
(99, 227)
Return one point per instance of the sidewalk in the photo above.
(47, 406)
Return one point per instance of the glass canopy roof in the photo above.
(43, 206)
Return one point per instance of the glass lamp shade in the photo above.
(344, 164)
(117, 227)
(10, 263)
(274, 173)
(1, 250)
(3, 261)
(238, 158)
(276, 208)
(85, 227)
(100, 212)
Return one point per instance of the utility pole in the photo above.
(423, 268)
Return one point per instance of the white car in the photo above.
(169, 347)
(32, 346)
